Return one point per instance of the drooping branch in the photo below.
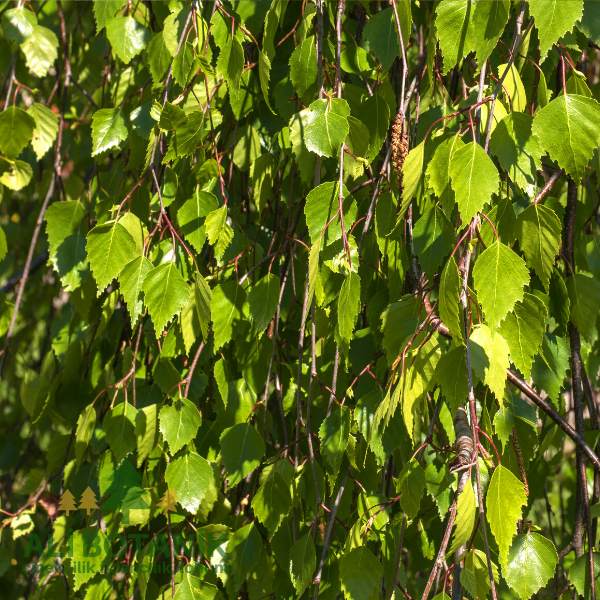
(513, 56)
(582, 496)
(524, 387)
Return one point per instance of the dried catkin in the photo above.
(520, 461)
(399, 148)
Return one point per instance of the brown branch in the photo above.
(548, 186)
(526, 389)
(583, 501)
(317, 579)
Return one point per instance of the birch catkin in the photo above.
(399, 148)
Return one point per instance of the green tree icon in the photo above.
(125, 491)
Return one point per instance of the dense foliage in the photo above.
(299, 299)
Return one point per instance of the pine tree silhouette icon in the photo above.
(168, 501)
(125, 491)
(88, 500)
(67, 502)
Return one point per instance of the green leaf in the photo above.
(327, 126)
(62, 220)
(374, 113)
(518, 151)
(357, 142)
(313, 272)
(531, 562)
(513, 88)
(218, 231)
(105, 10)
(247, 148)
(190, 587)
(489, 359)
(127, 37)
(18, 177)
(356, 61)
(592, 254)
(230, 64)
(188, 134)
(109, 247)
(474, 179)
(475, 576)
(159, 57)
(131, 280)
(550, 366)
(334, 433)
(119, 425)
(465, 518)
(568, 128)
(165, 293)
(179, 423)
(539, 233)
(503, 425)
(559, 298)
(438, 171)
(244, 549)
(449, 299)
(305, 159)
(16, 130)
(227, 311)
(303, 561)
(262, 174)
(590, 21)
(171, 117)
(499, 277)
(190, 476)
(413, 175)
(399, 320)
(109, 129)
(553, 19)
(433, 236)
(504, 499)
(3, 245)
(347, 310)
(41, 50)
(87, 547)
(466, 25)
(173, 28)
(146, 431)
(411, 484)
(272, 502)
(191, 217)
(523, 330)
(242, 449)
(182, 64)
(263, 299)
(360, 574)
(18, 24)
(381, 33)
(584, 297)
(203, 295)
(264, 72)
(579, 574)
(85, 428)
(322, 206)
(45, 130)
(303, 66)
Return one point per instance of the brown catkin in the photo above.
(399, 148)
(520, 461)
